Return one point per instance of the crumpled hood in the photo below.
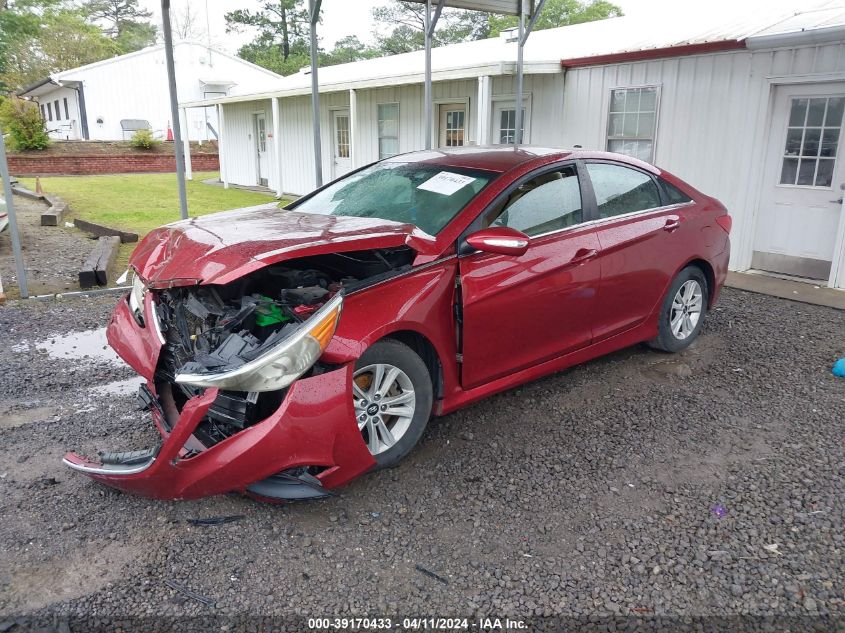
(222, 247)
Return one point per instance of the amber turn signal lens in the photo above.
(324, 330)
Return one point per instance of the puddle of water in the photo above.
(126, 387)
(89, 344)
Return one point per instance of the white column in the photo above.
(353, 126)
(484, 108)
(220, 146)
(186, 143)
(277, 143)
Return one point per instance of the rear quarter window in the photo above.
(673, 194)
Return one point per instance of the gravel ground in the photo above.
(710, 483)
(52, 254)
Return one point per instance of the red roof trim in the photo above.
(654, 53)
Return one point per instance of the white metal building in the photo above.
(748, 108)
(90, 102)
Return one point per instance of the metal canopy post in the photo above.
(524, 32)
(430, 25)
(13, 221)
(174, 107)
(314, 14)
(520, 8)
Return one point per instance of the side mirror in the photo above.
(501, 240)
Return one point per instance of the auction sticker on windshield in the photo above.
(446, 183)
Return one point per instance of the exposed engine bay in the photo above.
(216, 330)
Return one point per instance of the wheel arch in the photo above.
(426, 350)
(709, 274)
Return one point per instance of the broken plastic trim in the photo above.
(282, 364)
(290, 486)
(113, 468)
(136, 298)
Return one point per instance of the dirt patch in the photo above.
(11, 416)
(52, 254)
(32, 585)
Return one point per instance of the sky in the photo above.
(353, 17)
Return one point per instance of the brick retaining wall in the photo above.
(87, 164)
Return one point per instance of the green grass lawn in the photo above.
(141, 202)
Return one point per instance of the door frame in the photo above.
(763, 138)
(333, 112)
(468, 119)
(255, 141)
(498, 101)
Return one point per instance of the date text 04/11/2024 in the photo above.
(416, 624)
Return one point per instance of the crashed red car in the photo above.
(286, 352)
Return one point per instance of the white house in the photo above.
(90, 102)
(748, 108)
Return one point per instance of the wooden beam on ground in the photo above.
(98, 267)
(55, 213)
(100, 230)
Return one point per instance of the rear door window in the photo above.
(620, 190)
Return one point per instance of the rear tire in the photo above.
(391, 415)
(682, 312)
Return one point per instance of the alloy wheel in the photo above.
(384, 402)
(686, 309)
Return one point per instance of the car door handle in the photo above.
(582, 255)
(837, 201)
(671, 225)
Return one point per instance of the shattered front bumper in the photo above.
(314, 426)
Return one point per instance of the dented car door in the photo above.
(520, 311)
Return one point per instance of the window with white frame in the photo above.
(812, 141)
(388, 130)
(632, 122)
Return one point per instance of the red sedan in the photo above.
(288, 351)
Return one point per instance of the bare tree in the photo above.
(187, 23)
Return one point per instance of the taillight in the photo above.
(725, 222)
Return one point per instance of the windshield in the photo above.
(427, 196)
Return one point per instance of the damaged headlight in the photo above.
(282, 364)
(136, 297)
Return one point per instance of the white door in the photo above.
(800, 216)
(342, 156)
(261, 147)
(504, 124)
(452, 128)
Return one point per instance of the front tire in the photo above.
(392, 395)
(683, 310)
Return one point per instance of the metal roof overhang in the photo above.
(467, 72)
(653, 53)
(509, 7)
(38, 88)
(796, 38)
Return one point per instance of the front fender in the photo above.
(420, 302)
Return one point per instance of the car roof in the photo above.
(501, 158)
